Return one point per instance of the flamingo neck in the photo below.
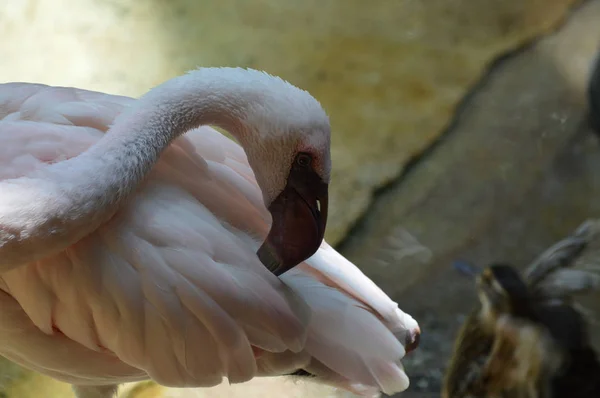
(43, 214)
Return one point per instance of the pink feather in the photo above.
(171, 288)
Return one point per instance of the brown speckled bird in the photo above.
(526, 339)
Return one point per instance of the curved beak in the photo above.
(299, 219)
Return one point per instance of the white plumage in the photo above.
(168, 286)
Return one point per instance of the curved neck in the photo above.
(43, 214)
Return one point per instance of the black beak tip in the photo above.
(273, 261)
(269, 259)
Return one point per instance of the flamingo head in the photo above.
(287, 142)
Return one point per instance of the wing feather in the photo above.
(171, 288)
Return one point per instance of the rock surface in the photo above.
(517, 172)
(391, 74)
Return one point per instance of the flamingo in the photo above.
(137, 242)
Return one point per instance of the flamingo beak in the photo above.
(299, 215)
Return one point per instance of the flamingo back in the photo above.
(170, 288)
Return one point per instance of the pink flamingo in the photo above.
(128, 250)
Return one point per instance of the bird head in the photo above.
(501, 290)
(298, 210)
(287, 142)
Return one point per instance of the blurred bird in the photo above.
(526, 339)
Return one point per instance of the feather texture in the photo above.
(171, 288)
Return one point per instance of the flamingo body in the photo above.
(170, 288)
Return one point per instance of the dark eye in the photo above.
(303, 160)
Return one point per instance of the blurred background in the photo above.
(459, 129)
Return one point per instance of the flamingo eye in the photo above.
(304, 160)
